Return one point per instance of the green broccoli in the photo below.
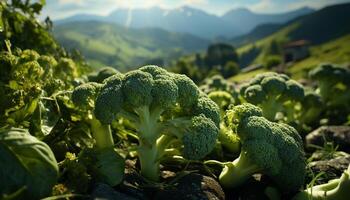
(164, 108)
(336, 189)
(332, 79)
(270, 148)
(107, 164)
(227, 138)
(312, 107)
(274, 93)
(219, 83)
(84, 97)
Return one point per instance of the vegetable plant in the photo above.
(164, 108)
(270, 148)
(107, 164)
(274, 93)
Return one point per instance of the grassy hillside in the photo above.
(336, 51)
(110, 44)
(319, 27)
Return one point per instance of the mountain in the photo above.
(110, 44)
(247, 20)
(323, 26)
(190, 20)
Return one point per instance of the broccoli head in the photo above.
(102, 74)
(274, 93)
(332, 79)
(312, 107)
(273, 149)
(164, 107)
(219, 83)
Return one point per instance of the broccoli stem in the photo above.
(152, 143)
(101, 133)
(148, 156)
(237, 172)
(337, 189)
(270, 108)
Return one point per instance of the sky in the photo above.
(58, 9)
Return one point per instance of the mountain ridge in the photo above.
(190, 20)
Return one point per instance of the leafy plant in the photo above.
(26, 162)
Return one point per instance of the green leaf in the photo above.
(110, 166)
(26, 162)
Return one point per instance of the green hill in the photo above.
(319, 28)
(123, 48)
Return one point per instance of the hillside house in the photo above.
(296, 50)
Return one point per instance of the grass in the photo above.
(336, 51)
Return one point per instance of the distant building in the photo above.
(296, 50)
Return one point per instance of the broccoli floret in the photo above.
(312, 107)
(274, 149)
(84, 97)
(219, 83)
(227, 138)
(336, 189)
(102, 74)
(332, 79)
(164, 108)
(274, 93)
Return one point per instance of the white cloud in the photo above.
(78, 2)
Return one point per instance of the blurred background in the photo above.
(199, 37)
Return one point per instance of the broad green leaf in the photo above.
(26, 162)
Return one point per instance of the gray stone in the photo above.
(332, 168)
(193, 187)
(340, 135)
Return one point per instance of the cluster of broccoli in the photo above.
(164, 108)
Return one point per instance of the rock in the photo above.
(103, 191)
(193, 187)
(340, 135)
(332, 168)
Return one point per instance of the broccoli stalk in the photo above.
(336, 189)
(101, 133)
(238, 171)
(164, 108)
(267, 147)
